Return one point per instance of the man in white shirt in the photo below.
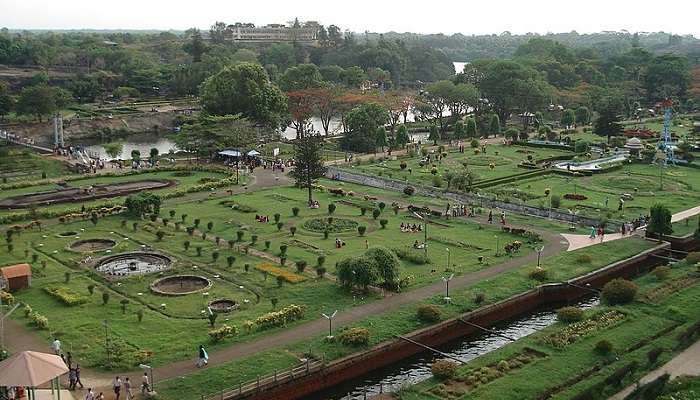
(56, 346)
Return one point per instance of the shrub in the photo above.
(283, 249)
(539, 274)
(443, 369)
(653, 354)
(320, 260)
(376, 213)
(295, 211)
(66, 295)
(410, 255)
(186, 245)
(124, 303)
(280, 280)
(331, 208)
(320, 271)
(105, 298)
(383, 222)
(437, 180)
(214, 256)
(429, 313)
(139, 314)
(693, 257)
(292, 230)
(479, 298)
(361, 230)
(199, 251)
(279, 226)
(603, 347)
(584, 259)
(409, 190)
(253, 239)
(301, 266)
(196, 222)
(277, 217)
(363, 211)
(661, 272)
(267, 244)
(7, 298)
(286, 275)
(555, 201)
(354, 337)
(66, 276)
(619, 291)
(230, 260)
(280, 318)
(160, 235)
(569, 314)
(38, 320)
(222, 332)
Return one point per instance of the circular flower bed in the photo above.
(89, 245)
(572, 196)
(180, 285)
(335, 226)
(223, 305)
(135, 263)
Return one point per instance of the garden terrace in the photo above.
(20, 164)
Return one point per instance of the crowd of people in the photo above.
(411, 228)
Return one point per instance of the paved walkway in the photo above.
(685, 214)
(685, 363)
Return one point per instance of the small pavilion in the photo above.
(30, 369)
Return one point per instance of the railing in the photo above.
(267, 382)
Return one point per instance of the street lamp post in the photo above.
(109, 357)
(447, 249)
(539, 254)
(447, 286)
(330, 323)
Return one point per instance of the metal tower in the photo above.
(665, 144)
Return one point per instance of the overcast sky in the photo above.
(465, 16)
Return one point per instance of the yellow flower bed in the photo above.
(288, 276)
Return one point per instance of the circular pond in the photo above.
(90, 245)
(67, 234)
(223, 305)
(179, 285)
(128, 264)
(335, 225)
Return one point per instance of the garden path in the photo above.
(685, 363)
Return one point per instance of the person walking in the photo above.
(145, 384)
(56, 346)
(127, 389)
(490, 216)
(71, 378)
(203, 357)
(77, 376)
(89, 395)
(117, 386)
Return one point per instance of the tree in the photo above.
(300, 104)
(434, 134)
(113, 149)
(494, 125)
(209, 134)
(135, 155)
(218, 32)
(195, 47)
(354, 76)
(6, 101)
(357, 272)
(470, 130)
(301, 77)
(387, 265)
(244, 89)
(608, 122)
(583, 116)
(326, 104)
(568, 118)
(153, 154)
(402, 136)
(459, 130)
(142, 204)
(667, 76)
(309, 162)
(41, 100)
(363, 122)
(381, 138)
(660, 221)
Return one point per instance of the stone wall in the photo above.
(464, 198)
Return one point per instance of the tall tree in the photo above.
(568, 118)
(41, 100)
(308, 157)
(195, 47)
(209, 134)
(608, 122)
(6, 101)
(217, 32)
(244, 89)
(363, 122)
(495, 125)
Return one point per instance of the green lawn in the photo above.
(631, 338)
(19, 164)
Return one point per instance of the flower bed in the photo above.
(668, 288)
(288, 276)
(279, 318)
(574, 332)
(575, 196)
(336, 225)
(66, 295)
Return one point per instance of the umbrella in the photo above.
(31, 369)
(253, 153)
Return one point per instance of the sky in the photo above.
(465, 16)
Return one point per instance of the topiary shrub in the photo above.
(320, 272)
(603, 347)
(292, 230)
(354, 337)
(539, 274)
(331, 208)
(429, 313)
(555, 201)
(619, 291)
(361, 230)
(443, 369)
(376, 213)
(295, 211)
(301, 266)
(105, 298)
(569, 314)
(383, 222)
(409, 190)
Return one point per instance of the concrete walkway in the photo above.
(581, 241)
(685, 363)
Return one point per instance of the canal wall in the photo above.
(393, 351)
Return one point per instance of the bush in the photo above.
(222, 332)
(7, 298)
(280, 318)
(320, 272)
(38, 320)
(409, 190)
(331, 208)
(301, 266)
(539, 274)
(292, 230)
(603, 347)
(479, 298)
(555, 201)
(361, 230)
(239, 236)
(619, 291)
(383, 222)
(569, 314)
(584, 259)
(443, 369)
(376, 213)
(661, 272)
(295, 211)
(354, 337)
(66, 295)
(413, 256)
(654, 354)
(105, 298)
(693, 257)
(320, 260)
(429, 313)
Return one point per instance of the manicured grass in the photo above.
(18, 164)
(686, 226)
(505, 160)
(643, 322)
(403, 320)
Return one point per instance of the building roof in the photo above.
(15, 271)
(31, 369)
